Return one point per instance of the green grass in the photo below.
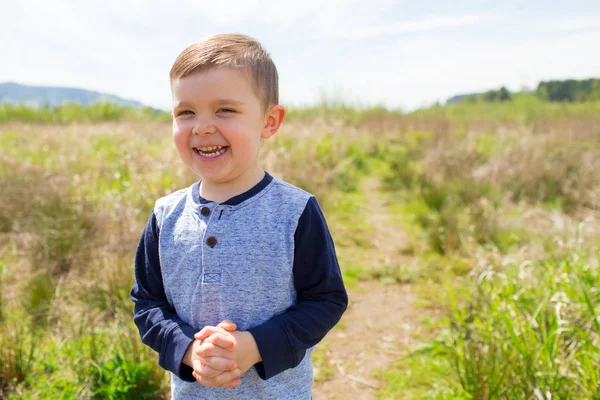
(530, 328)
(425, 372)
(95, 364)
(74, 112)
(527, 330)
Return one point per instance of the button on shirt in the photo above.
(211, 241)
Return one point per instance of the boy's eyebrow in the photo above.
(231, 101)
(180, 104)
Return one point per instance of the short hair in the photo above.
(231, 50)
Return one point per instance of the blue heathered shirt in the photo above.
(263, 259)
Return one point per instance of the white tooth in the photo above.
(208, 151)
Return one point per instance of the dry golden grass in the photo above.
(74, 199)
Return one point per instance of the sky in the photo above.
(398, 54)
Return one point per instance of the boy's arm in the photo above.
(158, 323)
(321, 298)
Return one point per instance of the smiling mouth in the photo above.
(211, 151)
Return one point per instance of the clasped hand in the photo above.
(221, 354)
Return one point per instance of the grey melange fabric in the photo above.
(246, 277)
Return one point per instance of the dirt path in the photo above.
(381, 319)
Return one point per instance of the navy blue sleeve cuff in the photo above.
(179, 342)
(275, 349)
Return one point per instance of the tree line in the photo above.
(570, 90)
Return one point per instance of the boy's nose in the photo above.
(203, 126)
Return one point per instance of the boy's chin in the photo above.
(214, 178)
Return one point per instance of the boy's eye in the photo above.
(185, 112)
(226, 110)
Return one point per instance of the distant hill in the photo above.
(16, 93)
(459, 98)
(501, 94)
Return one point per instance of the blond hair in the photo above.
(231, 50)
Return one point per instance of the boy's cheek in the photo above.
(181, 125)
(177, 130)
(180, 137)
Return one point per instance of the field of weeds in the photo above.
(498, 205)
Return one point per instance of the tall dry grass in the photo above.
(74, 199)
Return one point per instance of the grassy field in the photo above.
(500, 204)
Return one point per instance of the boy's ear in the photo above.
(273, 120)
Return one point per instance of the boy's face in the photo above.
(218, 122)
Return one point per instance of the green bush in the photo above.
(97, 364)
(531, 330)
(122, 378)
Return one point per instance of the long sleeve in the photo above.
(321, 298)
(158, 323)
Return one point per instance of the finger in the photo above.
(227, 325)
(226, 342)
(203, 381)
(225, 378)
(207, 331)
(220, 363)
(207, 372)
(233, 384)
(197, 364)
(202, 370)
(210, 350)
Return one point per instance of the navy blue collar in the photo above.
(240, 197)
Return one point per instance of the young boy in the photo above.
(240, 259)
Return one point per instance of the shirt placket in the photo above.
(213, 235)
